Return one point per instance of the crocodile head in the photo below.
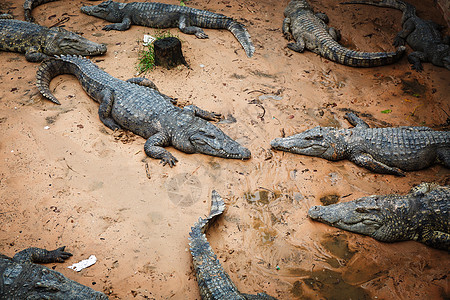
(295, 6)
(62, 41)
(203, 137)
(53, 285)
(319, 141)
(375, 216)
(108, 10)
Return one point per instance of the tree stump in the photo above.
(168, 53)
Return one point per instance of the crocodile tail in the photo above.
(345, 56)
(407, 9)
(28, 6)
(242, 35)
(48, 70)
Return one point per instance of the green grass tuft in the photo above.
(146, 55)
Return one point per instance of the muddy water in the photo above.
(67, 180)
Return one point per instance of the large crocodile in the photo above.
(382, 150)
(422, 215)
(22, 278)
(160, 15)
(423, 36)
(39, 42)
(137, 105)
(213, 281)
(310, 31)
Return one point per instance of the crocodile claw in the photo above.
(169, 159)
(201, 35)
(417, 66)
(108, 27)
(398, 41)
(60, 255)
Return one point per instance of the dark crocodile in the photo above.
(422, 215)
(28, 6)
(382, 150)
(160, 15)
(310, 31)
(39, 42)
(423, 36)
(138, 106)
(22, 278)
(213, 281)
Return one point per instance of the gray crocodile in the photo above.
(213, 281)
(137, 105)
(310, 31)
(39, 42)
(422, 215)
(160, 15)
(381, 150)
(28, 6)
(423, 36)
(22, 278)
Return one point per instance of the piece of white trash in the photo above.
(84, 263)
(148, 39)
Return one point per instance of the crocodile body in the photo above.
(138, 106)
(389, 150)
(39, 42)
(421, 215)
(213, 281)
(22, 278)
(310, 31)
(160, 15)
(423, 36)
(28, 6)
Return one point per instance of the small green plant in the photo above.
(146, 55)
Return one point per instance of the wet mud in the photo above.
(65, 179)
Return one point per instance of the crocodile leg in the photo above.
(323, 17)
(126, 23)
(335, 34)
(355, 120)
(298, 46)
(436, 239)
(104, 110)
(183, 25)
(367, 161)
(38, 255)
(143, 82)
(208, 116)
(154, 148)
(415, 59)
(408, 28)
(33, 55)
(287, 29)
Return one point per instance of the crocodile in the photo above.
(160, 15)
(28, 6)
(422, 215)
(137, 105)
(390, 150)
(310, 31)
(22, 277)
(423, 36)
(213, 281)
(39, 42)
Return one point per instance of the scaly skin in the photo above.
(28, 6)
(381, 150)
(138, 106)
(39, 42)
(422, 215)
(423, 36)
(310, 31)
(22, 277)
(160, 15)
(213, 281)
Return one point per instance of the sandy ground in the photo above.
(79, 184)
